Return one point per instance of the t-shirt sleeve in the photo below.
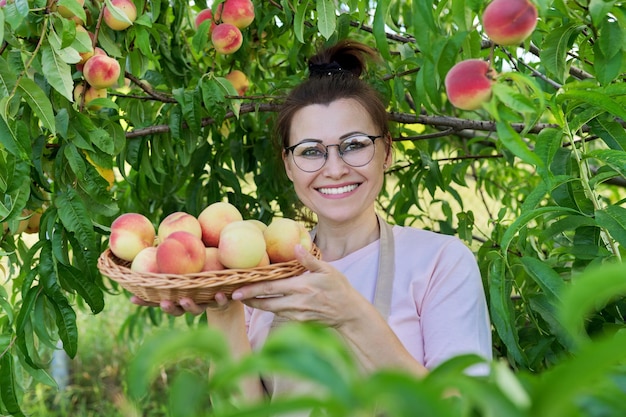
(453, 311)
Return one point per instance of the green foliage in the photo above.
(545, 156)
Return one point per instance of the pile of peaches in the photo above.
(218, 239)
(469, 83)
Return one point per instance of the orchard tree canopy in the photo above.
(531, 177)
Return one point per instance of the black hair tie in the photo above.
(324, 70)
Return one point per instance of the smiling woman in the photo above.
(400, 297)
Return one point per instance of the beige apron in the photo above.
(382, 301)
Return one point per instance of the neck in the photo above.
(337, 240)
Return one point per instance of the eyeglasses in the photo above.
(310, 155)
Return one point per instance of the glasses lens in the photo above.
(309, 156)
(357, 151)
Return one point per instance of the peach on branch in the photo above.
(101, 71)
(65, 11)
(469, 84)
(226, 38)
(213, 219)
(241, 245)
(178, 221)
(130, 233)
(281, 237)
(203, 16)
(145, 261)
(34, 220)
(90, 95)
(124, 16)
(509, 22)
(239, 13)
(239, 81)
(180, 253)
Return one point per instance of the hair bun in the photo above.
(345, 57)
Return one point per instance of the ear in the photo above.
(389, 150)
(288, 165)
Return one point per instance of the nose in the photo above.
(334, 165)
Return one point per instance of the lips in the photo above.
(338, 190)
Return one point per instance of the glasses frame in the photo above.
(373, 138)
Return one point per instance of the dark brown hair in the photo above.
(335, 74)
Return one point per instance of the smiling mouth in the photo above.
(338, 190)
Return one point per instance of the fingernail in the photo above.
(237, 295)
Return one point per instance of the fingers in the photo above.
(309, 261)
(184, 305)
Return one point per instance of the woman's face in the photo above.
(337, 192)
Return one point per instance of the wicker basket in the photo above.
(200, 287)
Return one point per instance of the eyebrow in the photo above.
(341, 138)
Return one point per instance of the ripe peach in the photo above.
(241, 245)
(213, 219)
(211, 260)
(101, 71)
(145, 261)
(281, 237)
(205, 14)
(258, 223)
(96, 51)
(226, 38)
(33, 221)
(180, 253)
(130, 233)
(85, 39)
(3, 3)
(124, 7)
(239, 81)
(65, 12)
(509, 22)
(19, 227)
(265, 260)
(90, 95)
(239, 13)
(177, 221)
(469, 84)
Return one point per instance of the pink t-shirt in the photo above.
(438, 308)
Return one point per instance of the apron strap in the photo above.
(386, 269)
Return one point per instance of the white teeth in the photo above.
(339, 190)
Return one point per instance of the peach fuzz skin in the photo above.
(130, 233)
(281, 237)
(211, 260)
(179, 221)
(239, 13)
(101, 71)
(241, 245)
(509, 22)
(145, 261)
(125, 6)
(214, 218)
(180, 253)
(226, 38)
(468, 84)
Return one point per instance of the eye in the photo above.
(309, 150)
(355, 143)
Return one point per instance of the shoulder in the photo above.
(420, 238)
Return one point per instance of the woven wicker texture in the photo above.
(200, 287)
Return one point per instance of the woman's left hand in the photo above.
(320, 295)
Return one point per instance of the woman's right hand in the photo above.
(186, 305)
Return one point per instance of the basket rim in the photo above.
(119, 270)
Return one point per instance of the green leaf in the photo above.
(326, 18)
(560, 388)
(550, 282)
(38, 102)
(501, 309)
(166, 346)
(8, 385)
(75, 7)
(57, 72)
(513, 142)
(117, 13)
(613, 219)
(613, 158)
(557, 44)
(607, 68)
(27, 307)
(83, 286)
(75, 217)
(588, 293)
(299, 19)
(379, 27)
(596, 98)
